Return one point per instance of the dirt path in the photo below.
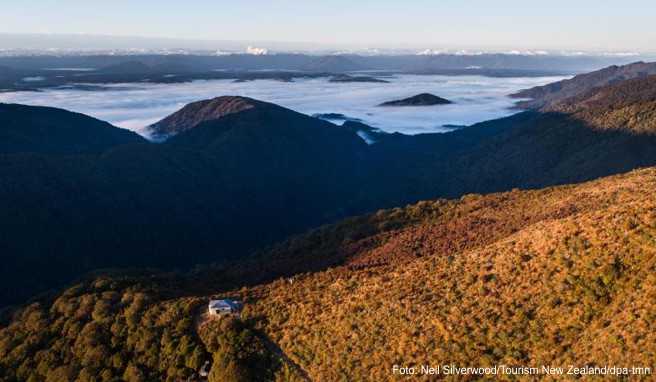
(275, 349)
(202, 317)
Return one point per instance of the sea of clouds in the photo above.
(135, 106)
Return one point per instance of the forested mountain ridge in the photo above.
(545, 96)
(101, 69)
(628, 106)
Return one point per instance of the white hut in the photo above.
(224, 307)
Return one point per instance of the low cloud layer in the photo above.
(135, 106)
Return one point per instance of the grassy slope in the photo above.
(555, 276)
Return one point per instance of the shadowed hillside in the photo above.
(224, 189)
(242, 174)
(49, 130)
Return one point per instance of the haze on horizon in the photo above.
(587, 25)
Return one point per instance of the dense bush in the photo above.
(104, 330)
(239, 353)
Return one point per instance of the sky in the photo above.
(599, 25)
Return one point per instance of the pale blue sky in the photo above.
(484, 24)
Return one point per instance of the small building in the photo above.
(224, 307)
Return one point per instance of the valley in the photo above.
(523, 240)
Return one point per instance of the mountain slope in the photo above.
(557, 276)
(543, 96)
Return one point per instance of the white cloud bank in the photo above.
(135, 106)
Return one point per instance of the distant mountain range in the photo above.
(239, 174)
(34, 72)
(339, 64)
